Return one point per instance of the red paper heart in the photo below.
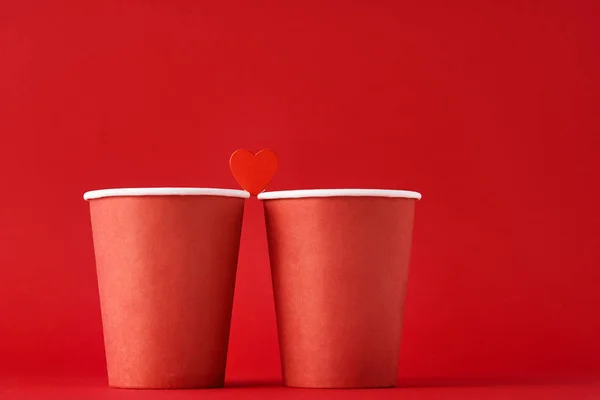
(253, 171)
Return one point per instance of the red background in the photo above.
(490, 109)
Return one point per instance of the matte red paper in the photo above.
(166, 273)
(339, 269)
(253, 171)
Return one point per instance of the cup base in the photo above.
(333, 386)
(166, 385)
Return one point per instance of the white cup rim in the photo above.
(165, 191)
(301, 194)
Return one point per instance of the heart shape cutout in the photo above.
(253, 171)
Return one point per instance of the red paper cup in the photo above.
(166, 260)
(339, 262)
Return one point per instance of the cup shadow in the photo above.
(253, 384)
(441, 382)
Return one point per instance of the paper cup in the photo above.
(339, 262)
(166, 260)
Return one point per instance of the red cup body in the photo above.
(339, 268)
(166, 274)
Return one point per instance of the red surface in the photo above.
(488, 108)
(96, 390)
